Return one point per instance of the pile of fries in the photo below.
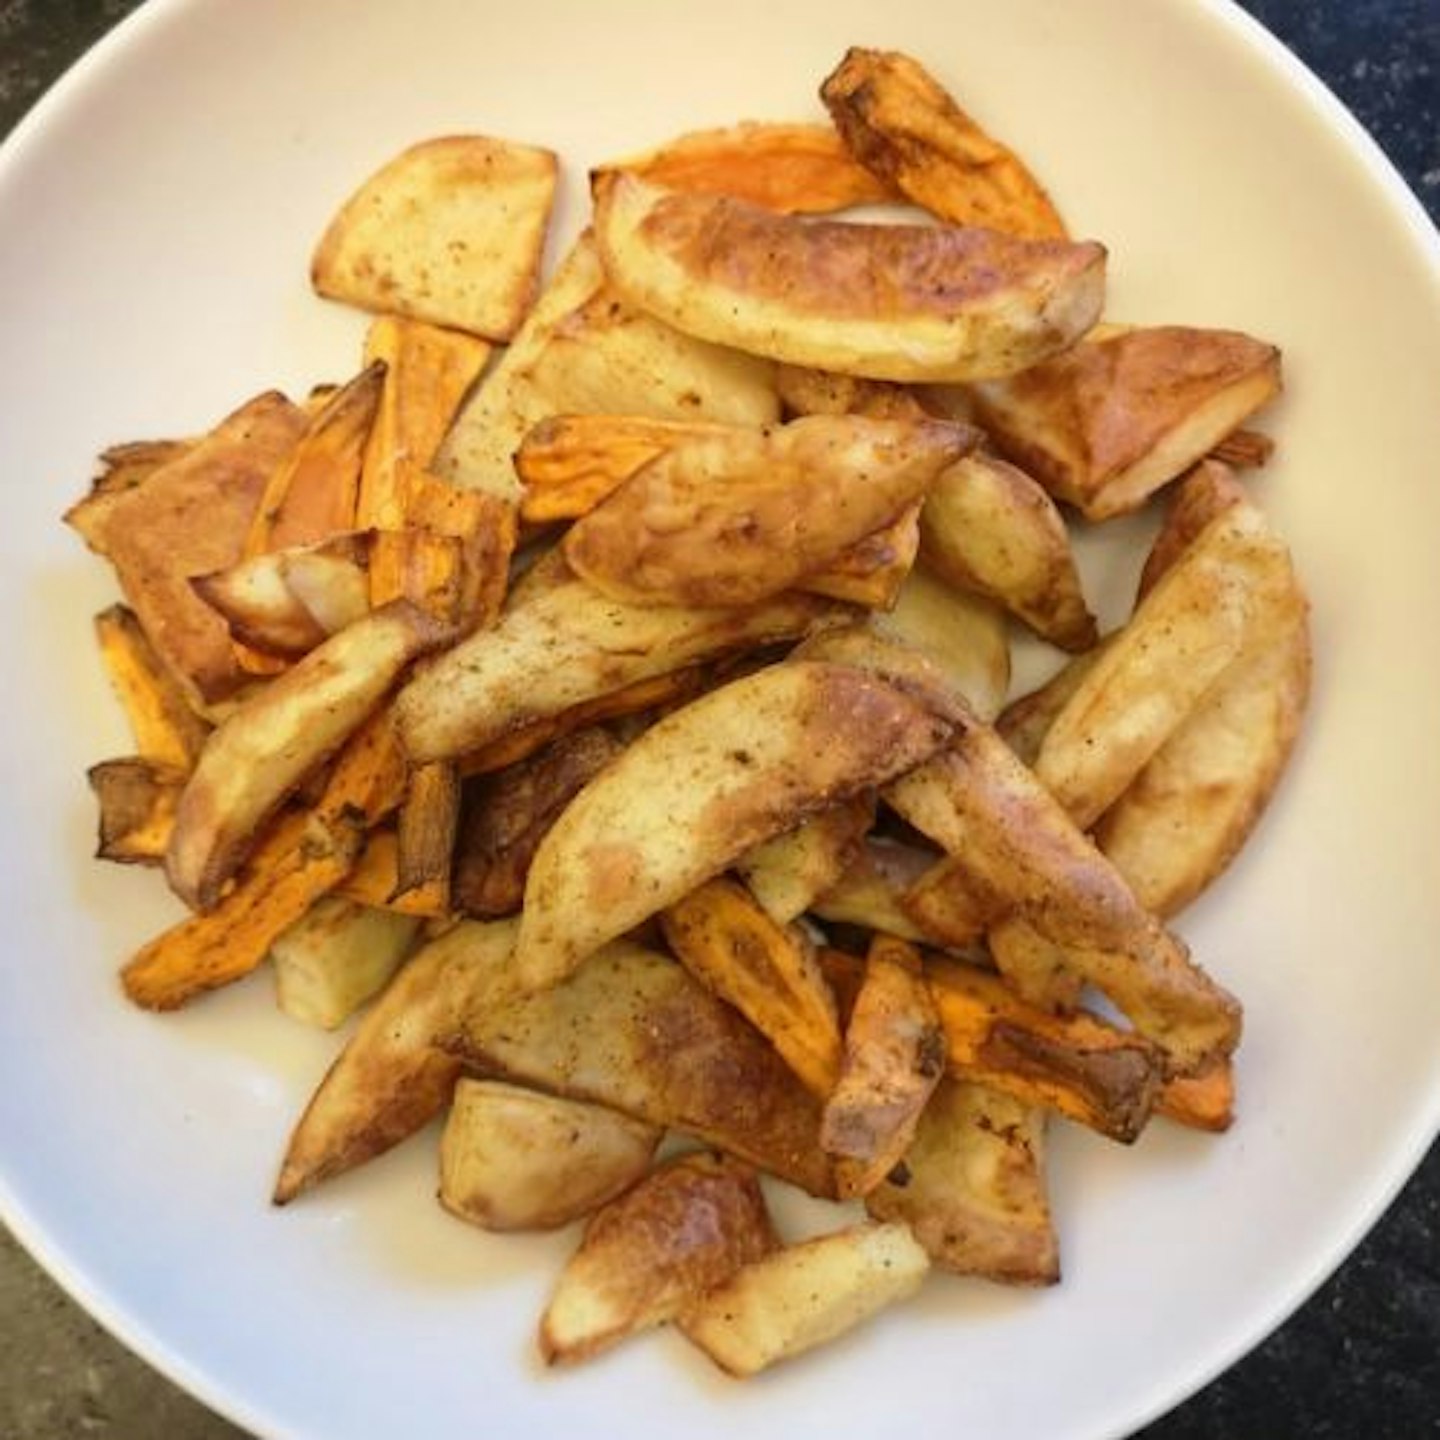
(603, 698)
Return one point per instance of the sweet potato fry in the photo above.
(122, 468)
(1205, 1101)
(137, 799)
(648, 1255)
(166, 729)
(894, 1058)
(376, 874)
(900, 123)
(450, 231)
(790, 168)
(1197, 498)
(732, 947)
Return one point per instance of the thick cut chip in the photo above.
(732, 947)
(653, 1252)
(450, 231)
(268, 746)
(802, 1296)
(633, 1030)
(191, 517)
(1107, 423)
(514, 1159)
(900, 123)
(889, 302)
(790, 168)
(733, 519)
(988, 527)
(700, 788)
(558, 645)
(972, 1187)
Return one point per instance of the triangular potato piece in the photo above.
(450, 231)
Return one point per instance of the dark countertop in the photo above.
(1361, 1359)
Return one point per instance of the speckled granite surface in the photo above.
(1362, 1359)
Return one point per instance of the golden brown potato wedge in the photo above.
(900, 123)
(870, 893)
(787, 873)
(972, 1187)
(802, 1295)
(558, 645)
(166, 729)
(795, 169)
(988, 527)
(137, 799)
(731, 946)
(122, 468)
(701, 787)
(894, 1058)
(733, 519)
(450, 231)
(1205, 1101)
(1026, 720)
(633, 1030)
(285, 602)
(648, 1255)
(191, 517)
(920, 303)
(808, 391)
(514, 1159)
(1107, 423)
(1199, 496)
(392, 1077)
(507, 814)
(263, 751)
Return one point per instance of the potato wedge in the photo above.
(795, 169)
(633, 1030)
(731, 946)
(375, 875)
(870, 892)
(900, 123)
(736, 518)
(1024, 723)
(1109, 422)
(648, 1255)
(787, 873)
(514, 1159)
(166, 729)
(558, 645)
(191, 517)
(988, 527)
(1200, 495)
(804, 1295)
(392, 1077)
(808, 391)
(506, 816)
(972, 1187)
(894, 1058)
(337, 956)
(919, 303)
(122, 468)
(701, 787)
(449, 231)
(137, 799)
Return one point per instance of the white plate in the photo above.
(156, 215)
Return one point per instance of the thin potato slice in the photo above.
(450, 231)
(888, 302)
(137, 799)
(701, 787)
(253, 761)
(732, 947)
(894, 1058)
(166, 729)
(558, 645)
(633, 1030)
(650, 1254)
(795, 169)
(972, 1187)
(787, 873)
(900, 123)
(513, 1159)
(804, 1295)
(392, 1077)
(737, 518)
(1109, 422)
(988, 527)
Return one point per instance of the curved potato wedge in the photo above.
(267, 747)
(787, 873)
(889, 302)
(899, 122)
(700, 788)
(731, 519)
